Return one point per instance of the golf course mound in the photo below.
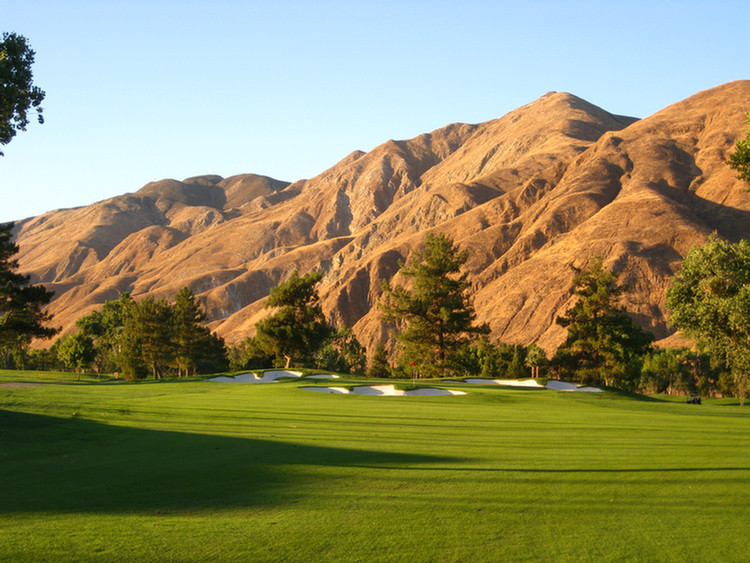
(385, 390)
(322, 376)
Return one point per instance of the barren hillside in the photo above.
(546, 186)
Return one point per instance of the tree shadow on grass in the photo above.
(50, 464)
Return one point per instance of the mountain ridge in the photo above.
(529, 194)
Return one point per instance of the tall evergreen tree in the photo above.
(22, 317)
(297, 328)
(191, 338)
(149, 331)
(602, 339)
(438, 312)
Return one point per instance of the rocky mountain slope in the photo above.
(530, 194)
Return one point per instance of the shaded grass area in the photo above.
(194, 471)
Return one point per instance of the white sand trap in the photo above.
(385, 390)
(268, 377)
(556, 385)
(247, 378)
(389, 390)
(532, 383)
(505, 382)
(271, 376)
(552, 384)
(322, 376)
(340, 390)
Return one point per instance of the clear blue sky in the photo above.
(141, 90)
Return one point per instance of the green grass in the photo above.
(196, 471)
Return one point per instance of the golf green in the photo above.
(183, 471)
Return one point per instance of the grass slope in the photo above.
(197, 471)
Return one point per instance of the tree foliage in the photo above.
(678, 371)
(438, 312)
(153, 337)
(710, 301)
(77, 352)
(739, 160)
(298, 327)
(342, 352)
(22, 317)
(379, 366)
(18, 94)
(603, 342)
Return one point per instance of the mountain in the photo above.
(531, 194)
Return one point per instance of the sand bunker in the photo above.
(268, 377)
(385, 390)
(507, 382)
(556, 385)
(552, 384)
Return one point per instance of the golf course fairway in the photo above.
(182, 471)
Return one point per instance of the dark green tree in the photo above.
(678, 370)
(536, 359)
(517, 368)
(148, 333)
(379, 366)
(22, 317)
(191, 339)
(437, 314)
(603, 343)
(710, 301)
(739, 160)
(18, 94)
(297, 328)
(342, 352)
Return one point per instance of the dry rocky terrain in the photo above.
(530, 194)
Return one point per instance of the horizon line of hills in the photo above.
(541, 189)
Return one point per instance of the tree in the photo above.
(298, 327)
(191, 339)
(709, 301)
(739, 160)
(379, 366)
(151, 325)
(342, 352)
(17, 92)
(21, 315)
(77, 352)
(517, 368)
(603, 342)
(105, 328)
(438, 312)
(536, 358)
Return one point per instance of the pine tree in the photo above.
(21, 315)
(298, 327)
(438, 312)
(148, 334)
(602, 339)
(191, 339)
